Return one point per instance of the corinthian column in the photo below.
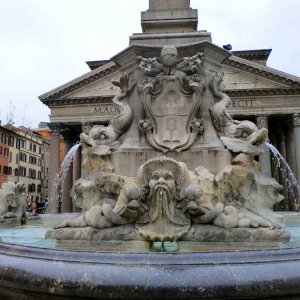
(54, 167)
(264, 158)
(296, 130)
(281, 143)
(67, 182)
(291, 160)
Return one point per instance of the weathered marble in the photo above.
(161, 196)
(12, 203)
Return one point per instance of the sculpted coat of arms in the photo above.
(171, 92)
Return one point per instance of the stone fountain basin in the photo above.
(114, 272)
(35, 273)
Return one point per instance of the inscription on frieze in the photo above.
(242, 103)
(106, 109)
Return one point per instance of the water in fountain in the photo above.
(61, 174)
(291, 179)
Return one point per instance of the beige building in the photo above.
(259, 93)
(28, 159)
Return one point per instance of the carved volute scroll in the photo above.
(171, 93)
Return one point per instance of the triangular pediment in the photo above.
(99, 88)
(81, 85)
(239, 79)
(242, 74)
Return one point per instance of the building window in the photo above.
(34, 148)
(10, 157)
(0, 169)
(23, 157)
(39, 188)
(17, 158)
(6, 152)
(22, 144)
(9, 171)
(22, 171)
(0, 150)
(5, 170)
(11, 141)
(16, 172)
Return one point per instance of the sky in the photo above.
(45, 43)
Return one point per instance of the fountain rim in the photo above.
(153, 258)
(110, 275)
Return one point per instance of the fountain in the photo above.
(172, 199)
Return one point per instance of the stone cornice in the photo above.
(78, 83)
(263, 92)
(260, 54)
(75, 101)
(260, 70)
(97, 63)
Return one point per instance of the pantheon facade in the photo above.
(264, 95)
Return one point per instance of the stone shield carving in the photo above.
(171, 93)
(171, 110)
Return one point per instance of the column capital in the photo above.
(261, 122)
(55, 128)
(296, 120)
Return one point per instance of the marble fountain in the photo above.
(170, 226)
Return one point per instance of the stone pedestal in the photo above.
(127, 161)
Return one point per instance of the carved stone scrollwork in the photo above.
(171, 95)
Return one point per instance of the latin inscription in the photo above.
(243, 103)
(106, 110)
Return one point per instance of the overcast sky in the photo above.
(45, 43)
